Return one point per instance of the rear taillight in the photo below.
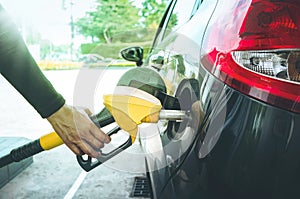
(259, 55)
(270, 24)
(279, 64)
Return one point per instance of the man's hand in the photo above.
(77, 131)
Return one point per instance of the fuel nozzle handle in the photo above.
(102, 119)
(87, 163)
(49, 141)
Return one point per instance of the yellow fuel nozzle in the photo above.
(131, 106)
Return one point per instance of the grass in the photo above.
(69, 65)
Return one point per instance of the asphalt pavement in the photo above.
(56, 174)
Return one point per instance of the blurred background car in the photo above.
(93, 58)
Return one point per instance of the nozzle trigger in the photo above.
(90, 163)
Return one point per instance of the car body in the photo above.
(237, 63)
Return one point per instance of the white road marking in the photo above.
(76, 185)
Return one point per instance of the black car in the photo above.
(234, 66)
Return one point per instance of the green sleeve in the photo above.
(21, 70)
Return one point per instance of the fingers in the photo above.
(95, 132)
(82, 145)
(99, 135)
(88, 130)
(75, 149)
(78, 132)
(91, 141)
(82, 148)
(89, 150)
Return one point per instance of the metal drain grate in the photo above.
(141, 187)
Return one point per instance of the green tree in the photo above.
(152, 12)
(90, 28)
(109, 18)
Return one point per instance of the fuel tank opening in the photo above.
(187, 93)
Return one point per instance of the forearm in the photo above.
(21, 70)
(17, 65)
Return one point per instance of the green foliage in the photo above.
(152, 12)
(114, 25)
(109, 18)
(121, 21)
(47, 49)
(111, 50)
(90, 28)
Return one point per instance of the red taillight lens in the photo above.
(260, 56)
(270, 25)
